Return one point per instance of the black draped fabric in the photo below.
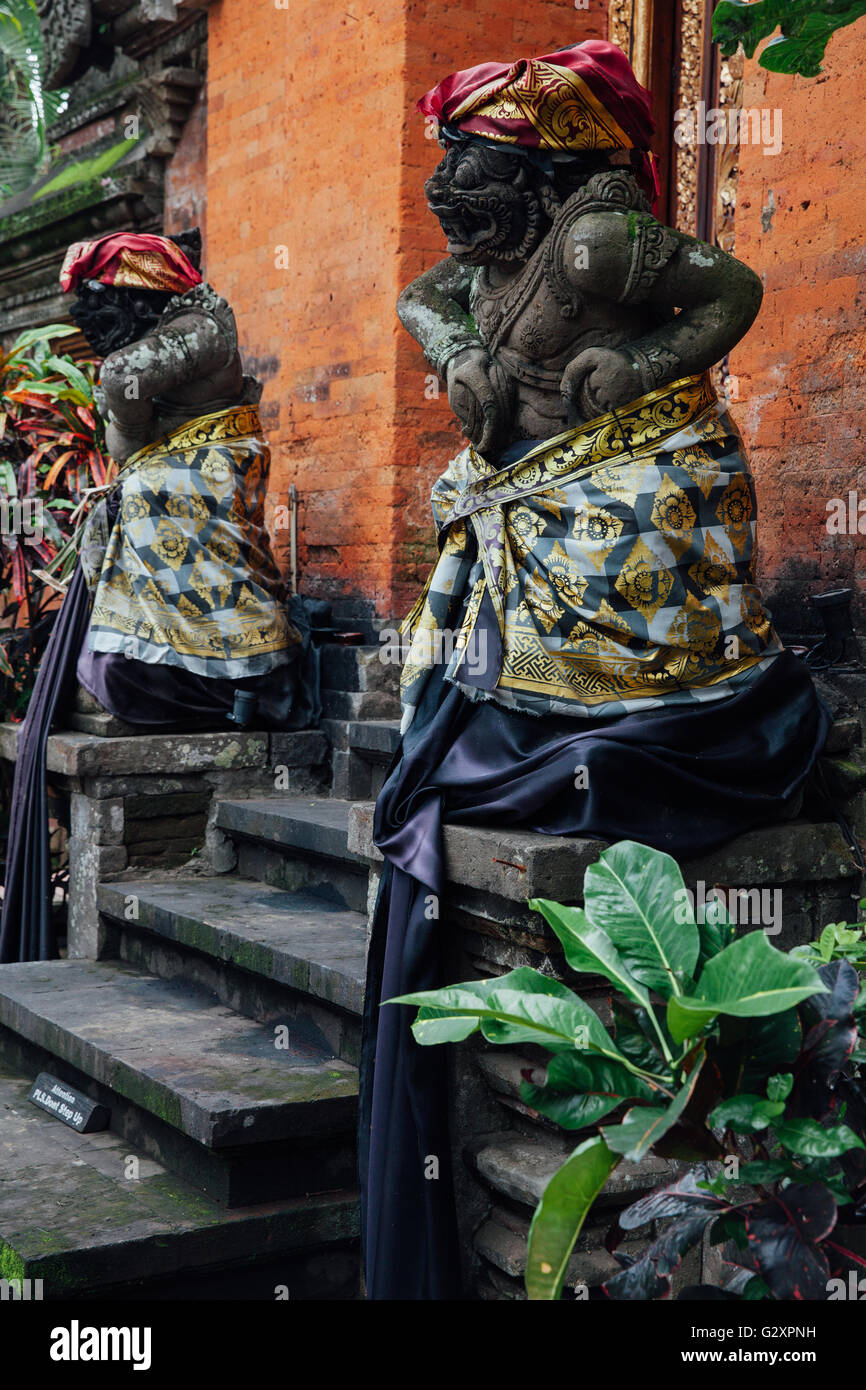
(154, 695)
(25, 931)
(149, 695)
(684, 781)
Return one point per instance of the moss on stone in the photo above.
(12, 1266)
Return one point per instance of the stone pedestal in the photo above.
(147, 803)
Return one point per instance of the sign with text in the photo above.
(65, 1103)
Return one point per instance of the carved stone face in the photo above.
(112, 317)
(494, 207)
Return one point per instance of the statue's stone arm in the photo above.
(190, 349)
(718, 299)
(435, 310)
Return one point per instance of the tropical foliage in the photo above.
(26, 108)
(806, 28)
(724, 1053)
(51, 455)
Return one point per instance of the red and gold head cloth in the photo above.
(583, 98)
(131, 260)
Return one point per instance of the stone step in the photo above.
(299, 844)
(264, 952)
(501, 1240)
(518, 1167)
(362, 752)
(90, 1216)
(358, 668)
(248, 1111)
(492, 873)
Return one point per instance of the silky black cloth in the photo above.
(26, 931)
(684, 780)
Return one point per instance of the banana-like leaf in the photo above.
(749, 979)
(560, 1215)
(82, 170)
(41, 335)
(522, 1006)
(589, 949)
(74, 375)
(581, 1088)
(637, 897)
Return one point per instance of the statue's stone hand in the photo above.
(99, 400)
(598, 380)
(479, 394)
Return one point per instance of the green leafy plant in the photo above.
(838, 941)
(51, 457)
(723, 1052)
(26, 108)
(806, 25)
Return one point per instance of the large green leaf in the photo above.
(815, 1140)
(645, 1124)
(581, 1088)
(635, 895)
(807, 26)
(749, 979)
(442, 1027)
(588, 948)
(522, 1006)
(560, 1215)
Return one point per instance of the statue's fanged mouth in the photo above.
(467, 225)
(487, 203)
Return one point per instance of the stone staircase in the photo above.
(220, 1021)
(220, 1027)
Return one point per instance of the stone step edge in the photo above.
(315, 826)
(224, 945)
(156, 1096)
(187, 1230)
(77, 754)
(520, 864)
(519, 1168)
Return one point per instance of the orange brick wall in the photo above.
(801, 224)
(314, 146)
(186, 175)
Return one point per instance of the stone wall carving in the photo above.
(133, 69)
(687, 96)
(630, 25)
(728, 155)
(66, 30)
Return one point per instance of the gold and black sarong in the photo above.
(188, 577)
(617, 558)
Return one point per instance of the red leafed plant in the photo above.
(51, 455)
